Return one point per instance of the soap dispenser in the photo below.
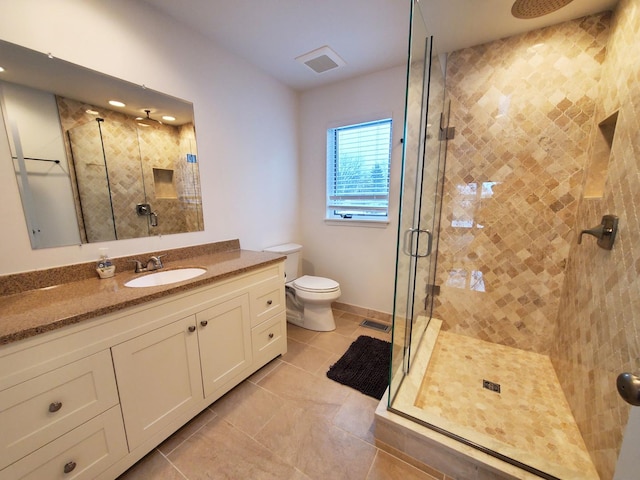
(105, 268)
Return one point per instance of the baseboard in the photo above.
(363, 312)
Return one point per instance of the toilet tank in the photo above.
(293, 261)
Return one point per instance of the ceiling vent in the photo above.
(321, 60)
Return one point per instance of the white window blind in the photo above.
(358, 166)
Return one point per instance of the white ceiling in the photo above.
(369, 35)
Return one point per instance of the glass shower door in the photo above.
(423, 160)
(109, 180)
(95, 202)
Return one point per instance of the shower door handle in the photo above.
(429, 243)
(408, 239)
(408, 235)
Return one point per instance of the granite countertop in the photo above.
(37, 310)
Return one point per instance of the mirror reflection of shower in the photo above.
(118, 165)
(43, 98)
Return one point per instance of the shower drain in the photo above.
(494, 387)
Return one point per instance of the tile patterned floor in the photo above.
(287, 421)
(529, 420)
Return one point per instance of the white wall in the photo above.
(361, 259)
(246, 122)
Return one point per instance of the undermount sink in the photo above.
(165, 277)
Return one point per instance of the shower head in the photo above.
(536, 8)
(148, 121)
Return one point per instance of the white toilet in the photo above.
(308, 298)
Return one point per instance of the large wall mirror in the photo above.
(89, 170)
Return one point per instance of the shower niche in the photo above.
(163, 184)
(599, 161)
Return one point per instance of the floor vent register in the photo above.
(381, 327)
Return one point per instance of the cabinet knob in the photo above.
(271, 335)
(69, 467)
(55, 406)
(269, 302)
(204, 323)
(192, 328)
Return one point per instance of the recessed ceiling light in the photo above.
(168, 118)
(116, 103)
(92, 112)
(1, 69)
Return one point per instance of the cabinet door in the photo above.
(225, 342)
(158, 377)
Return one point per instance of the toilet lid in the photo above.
(309, 283)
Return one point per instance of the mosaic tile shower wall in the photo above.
(598, 326)
(145, 165)
(523, 109)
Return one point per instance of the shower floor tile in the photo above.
(528, 420)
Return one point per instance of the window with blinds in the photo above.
(358, 166)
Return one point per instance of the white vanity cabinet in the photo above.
(92, 399)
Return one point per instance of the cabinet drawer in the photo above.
(270, 339)
(80, 454)
(37, 411)
(266, 301)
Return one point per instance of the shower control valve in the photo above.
(143, 209)
(605, 232)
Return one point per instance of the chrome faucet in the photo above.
(154, 263)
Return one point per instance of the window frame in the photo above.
(332, 157)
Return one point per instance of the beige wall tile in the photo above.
(522, 108)
(598, 324)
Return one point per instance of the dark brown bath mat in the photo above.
(364, 366)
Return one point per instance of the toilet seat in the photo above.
(311, 284)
